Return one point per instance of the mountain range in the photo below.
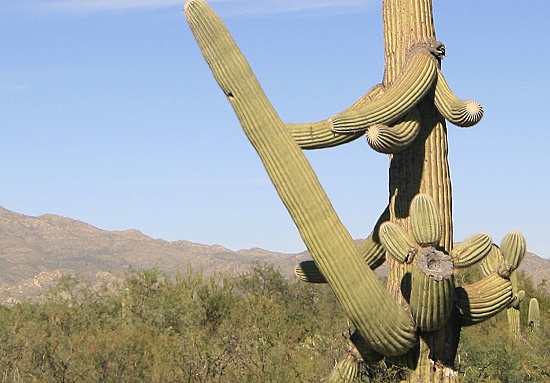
(36, 251)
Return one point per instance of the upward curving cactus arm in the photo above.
(415, 81)
(383, 323)
(513, 248)
(472, 250)
(463, 113)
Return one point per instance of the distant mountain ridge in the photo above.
(34, 251)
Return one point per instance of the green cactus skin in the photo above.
(472, 250)
(381, 320)
(371, 250)
(513, 248)
(417, 78)
(463, 113)
(483, 299)
(431, 300)
(345, 371)
(307, 271)
(398, 242)
(534, 315)
(412, 80)
(318, 135)
(493, 261)
(397, 137)
(425, 222)
(512, 312)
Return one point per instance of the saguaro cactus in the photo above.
(534, 316)
(415, 320)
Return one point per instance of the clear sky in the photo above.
(110, 115)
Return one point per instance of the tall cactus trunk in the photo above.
(422, 168)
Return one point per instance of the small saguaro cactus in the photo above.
(534, 316)
(414, 320)
(494, 262)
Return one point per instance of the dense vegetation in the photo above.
(258, 327)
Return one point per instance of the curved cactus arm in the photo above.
(513, 248)
(483, 299)
(319, 135)
(371, 250)
(384, 324)
(397, 137)
(492, 262)
(307, 271)
(472, 250)
(398, 242)
(463, 113)
(414, 82)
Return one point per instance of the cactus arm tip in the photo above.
(318, 135)
(463, 113)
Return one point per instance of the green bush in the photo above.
(257, 327)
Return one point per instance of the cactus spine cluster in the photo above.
(415, 320)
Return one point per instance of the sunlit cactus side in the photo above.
(534, 315)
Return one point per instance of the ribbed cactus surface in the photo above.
(414, 320)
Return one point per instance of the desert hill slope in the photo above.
(34, 251)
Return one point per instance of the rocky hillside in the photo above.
(34, 251)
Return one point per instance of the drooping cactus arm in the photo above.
(397, 137)
(383, 322)
(417, 77)
(463, 113)
(472, 250)
(319, 134)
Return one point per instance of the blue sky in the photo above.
(110, 115)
